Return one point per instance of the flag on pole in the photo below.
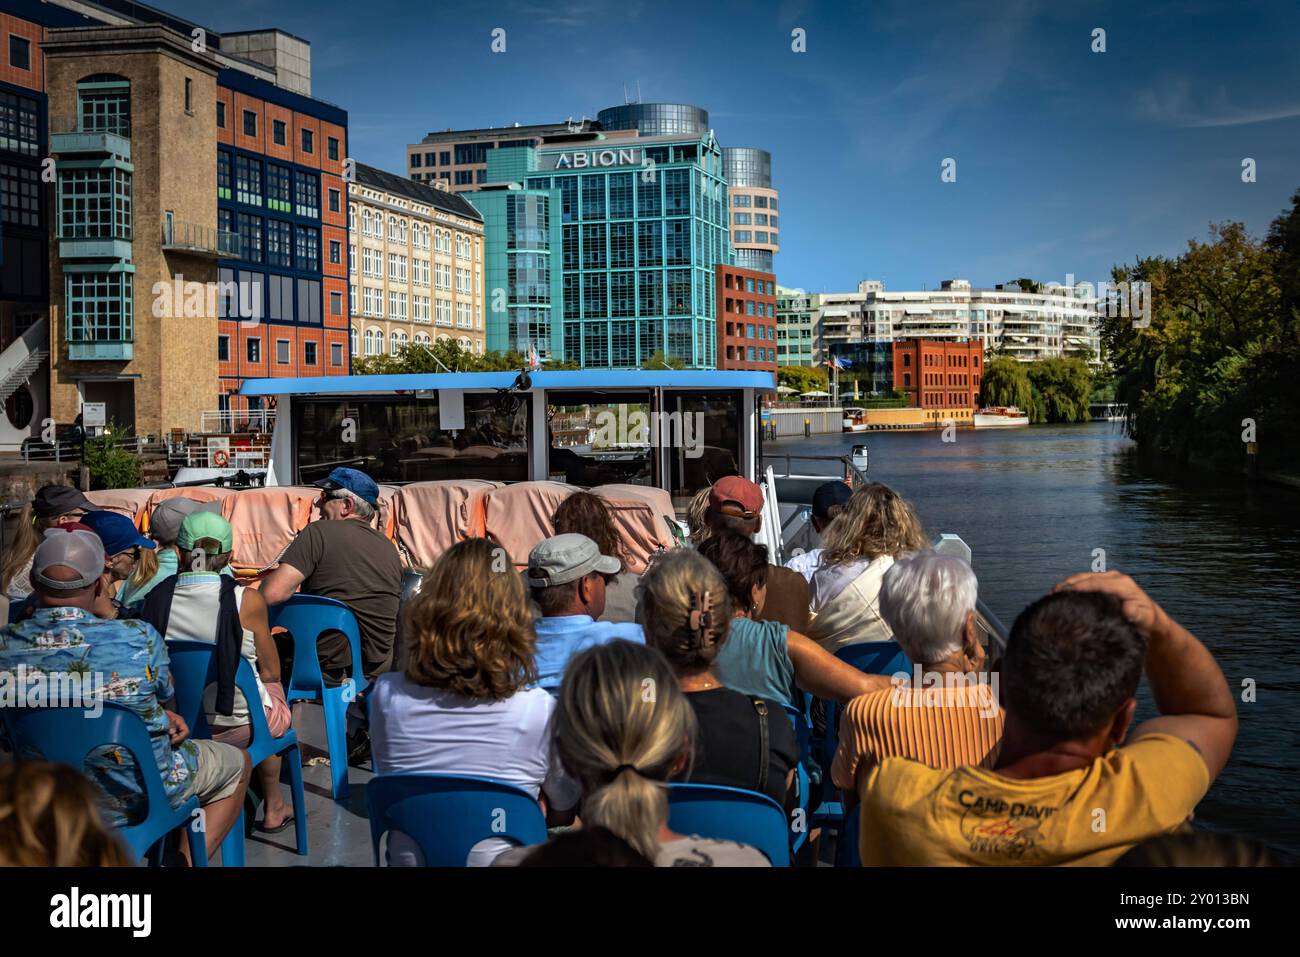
(534, 362)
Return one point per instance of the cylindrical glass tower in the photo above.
(656, 119)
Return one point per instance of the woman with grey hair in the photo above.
(946, 714)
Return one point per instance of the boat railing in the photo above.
(855, 471)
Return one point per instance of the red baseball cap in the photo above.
(736, 490)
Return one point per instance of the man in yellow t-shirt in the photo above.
(1065, 788)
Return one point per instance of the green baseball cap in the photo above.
(200, 526)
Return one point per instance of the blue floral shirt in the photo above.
(123, 661)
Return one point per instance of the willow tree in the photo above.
(1006, 382)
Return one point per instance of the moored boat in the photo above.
(1000, 417)
(855, 420)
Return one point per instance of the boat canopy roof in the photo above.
(572, 379)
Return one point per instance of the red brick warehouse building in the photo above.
(746, 318)
(281, 192)
(941, 376)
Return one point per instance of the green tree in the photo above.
(803, 378)
(1062, 387)
(110, 465)
(1006, 382)
(1028, 285)
(660, 361)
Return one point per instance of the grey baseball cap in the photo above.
(79, 549)
(165, 522)
(564, 558)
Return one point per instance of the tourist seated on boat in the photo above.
(49, 817)
(463, 705)
(566, 576)
(52, 505)
(744, 741)
(163, 562)
(736, 505)
(946, 714)
(622, 746)
(876, 527)
(1071, 784)
(1198, 848)
(828, 501)
(586, 514)
(64, 636)
(765, 658)
(123, 545)
(201, 604)
(585, 847)
(344, 557)
(104, 605)
(697, 512)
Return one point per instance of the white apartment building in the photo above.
(1025, 325)
(415, 265)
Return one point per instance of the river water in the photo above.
(1222, 556)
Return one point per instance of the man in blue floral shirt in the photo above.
(64, 645)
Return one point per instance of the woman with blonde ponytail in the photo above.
(52, 505)
(623, 730)
(745, 741)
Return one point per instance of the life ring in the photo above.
(220, 458)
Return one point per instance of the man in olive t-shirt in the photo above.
(344, 558)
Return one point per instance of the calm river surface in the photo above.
(1221, 555)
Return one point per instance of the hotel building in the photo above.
(415, 262)
(641, 226)
(746, 319)
(754, 232)
(458, 158)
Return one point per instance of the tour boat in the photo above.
(475, 455)
(1000, 417)
(855, 420)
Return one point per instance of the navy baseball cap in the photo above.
(828, 496)
(117, 532)
(354, 481)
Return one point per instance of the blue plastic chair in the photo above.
(803, 735)
(447, 814)
(873, 658)
(194, 667)
(68, 735)
(731, 814)
(16, 608)
(307, 617)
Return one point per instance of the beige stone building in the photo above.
(415, 265)
(133, 139)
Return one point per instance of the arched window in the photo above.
(365, 222)
(392, 344)
(374, 342)
(352, 340)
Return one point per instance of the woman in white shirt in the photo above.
(876, 527)
(462, 706)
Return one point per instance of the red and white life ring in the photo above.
(220, 458)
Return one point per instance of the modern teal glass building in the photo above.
(642, 222)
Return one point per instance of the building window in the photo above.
(279, 243)
(278, 132)
(94, 204)
(336, 354)
(189, 95)
(464, 177)
(282, 351)
(248, 180)
(20, 52)
(99, 306)
(308, 141)
(309, 353)
(306, 191)
(335, 201)
(332, 147)
(250, 237)
(223, 175)
(254, 347)
(336, 252)
(307, 249)
(223, 348)
(221, 115)
(279, 186)
(104, 105)
(336, 303)
(444, 158)
(250, 123)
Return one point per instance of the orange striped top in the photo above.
(942, 727)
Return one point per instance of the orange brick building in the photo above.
(941, 376)
(746, 318)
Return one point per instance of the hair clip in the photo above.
(701, 617)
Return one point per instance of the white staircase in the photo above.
(24, 356)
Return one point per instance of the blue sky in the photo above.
(1067, 161)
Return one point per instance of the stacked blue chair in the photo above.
(447, 814)
(307, 617)
(67, 735)
(873, 658)
(193, 668)
(731, 814)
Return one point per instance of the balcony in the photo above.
(101, 349)
(84, 242)
(204, 241)
(71, 136)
